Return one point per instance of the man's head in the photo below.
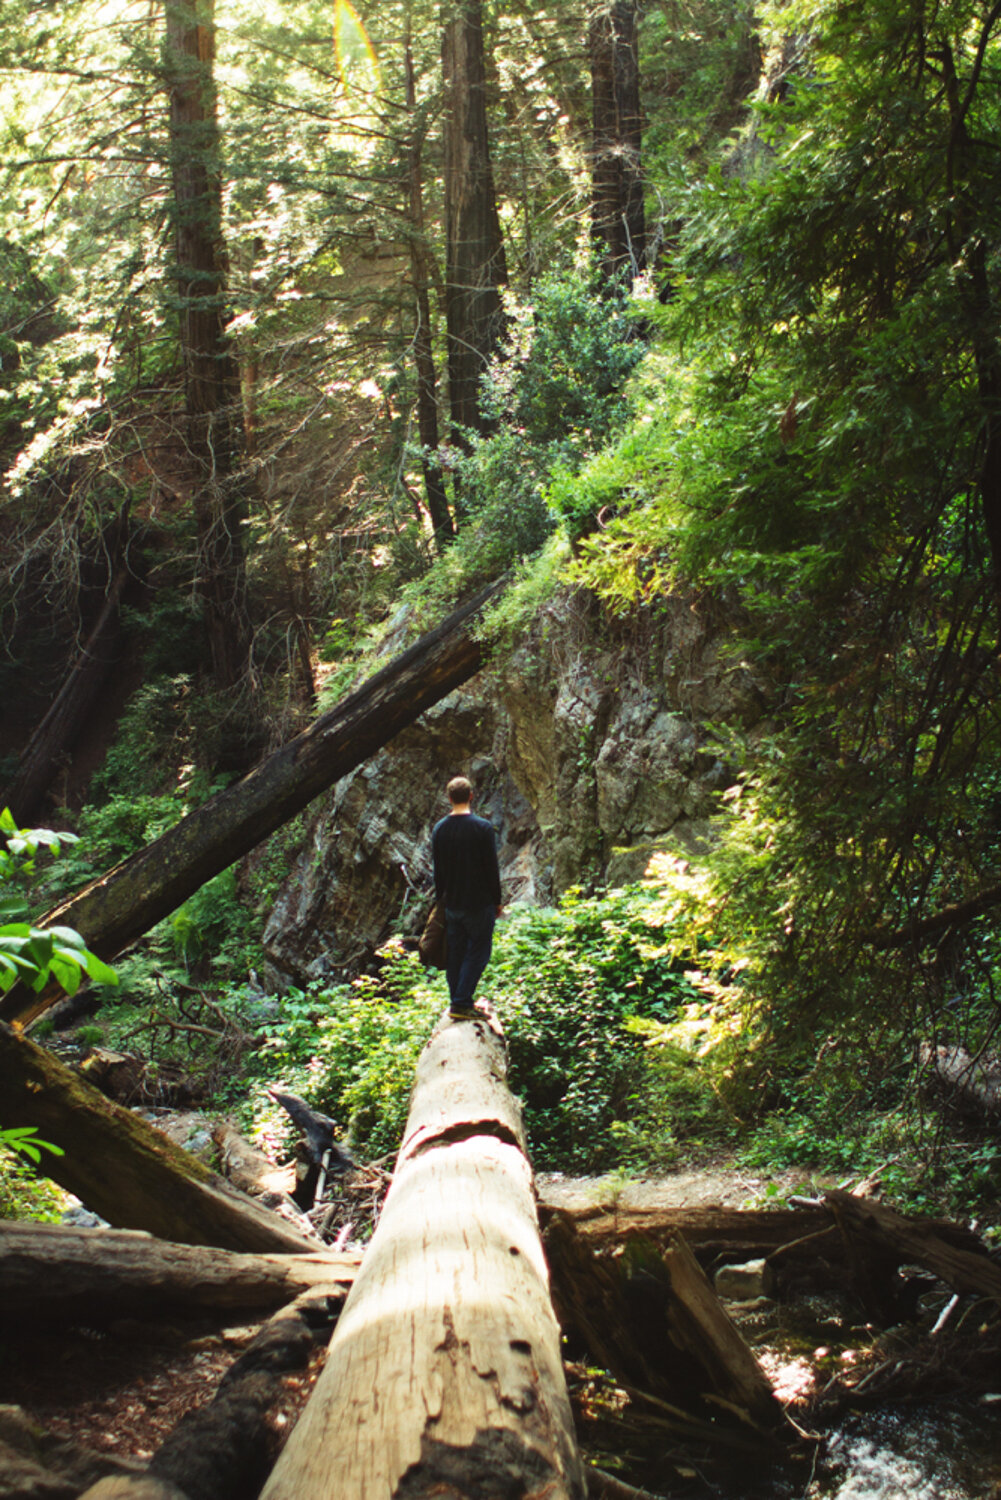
(460, 791)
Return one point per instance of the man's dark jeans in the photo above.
(470, 938)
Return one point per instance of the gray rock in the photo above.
(744, 1283)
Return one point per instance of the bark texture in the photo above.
(617, 216)
(211, 379)
(51, 1273)
(423, 350)
(444, 1376)
(121, 905)
(475, 268)
(122, 1168)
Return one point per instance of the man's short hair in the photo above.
(459, 789)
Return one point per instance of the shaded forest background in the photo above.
(311, 325)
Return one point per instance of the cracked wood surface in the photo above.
(52, 1272)
(444, 1375)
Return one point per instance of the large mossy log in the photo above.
(122, 1168)
(116, 909)
(57, 1273)
(444, 1376)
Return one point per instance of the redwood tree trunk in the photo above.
(618, 224)
(427, 380)
(212, 386)
(476, 268)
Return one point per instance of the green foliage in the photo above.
(18, 860)
(816, 461)
(569, 984)
(35, 955)
(351, 1052)
(23, 1195)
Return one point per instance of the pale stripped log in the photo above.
(444, 1375)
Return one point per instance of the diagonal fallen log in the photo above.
(655, 1322)
(223, 1450)
(54, 1273)
(875, 1233)
(117, 908)
(122, 1168)
(444, 1375)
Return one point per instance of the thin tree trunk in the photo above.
(427, 380)
(618, 223)
(476, 267)
(444, 1375)
(121, 905)
(212, 386)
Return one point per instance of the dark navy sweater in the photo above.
(466, 875)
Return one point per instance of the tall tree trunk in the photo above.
(212, 386)
(78, 695)
(617, 218)
(121, 905)
(476, 268)
(427, 380)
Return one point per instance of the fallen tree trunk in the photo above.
(223, 1450)
(116, 909)
(654, 1322)
(444, 1375)
(966, 1080)
(122, 1168)
(712, 1231)
(54, 1273)
(893, 1240)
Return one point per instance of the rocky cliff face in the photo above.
(588, 751)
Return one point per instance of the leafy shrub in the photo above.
(568, 983)
(23, 1195)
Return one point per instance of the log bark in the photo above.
(54, 1273)
(888, 1234)
(122, 1168)
(966, 1079)
(248, 1169)
(444, 1376)
(712, 1231)
(116, 909)
(223, 1450)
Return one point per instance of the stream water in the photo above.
(950, 1451)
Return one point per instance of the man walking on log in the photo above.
(467, 880)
